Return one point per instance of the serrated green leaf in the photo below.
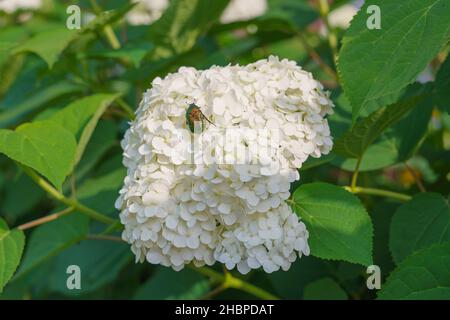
(374, 65)
(419, 223)
(34, 145)
(51, 238)
(48, 44)
(168, 284)
(11, 247)
(338, 224)
(423, 275)
(441, 87)
(324, 289)
(354, 143)
(81, 117)
(100, 263)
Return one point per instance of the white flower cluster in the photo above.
(10, 6)
(177, 211)
(147, 11)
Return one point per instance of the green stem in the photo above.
(107, 30)
(355, 174)
(229, 281)
(125, 107)
(324, 10)
(67, 201)
(379, 192)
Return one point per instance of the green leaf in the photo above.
(423, 275)
(11, 247)
(338, 224)
(100, 263)
(100, 193)
(81, 117)
(51, 238)
(324, 289)
(170, 285)
(103, 138)
(44, 146)
(419, 223)
(354, 143)
(135, 53)
(37, 99)
(441, 87)
(374, 65)
(107, 17)
(12, 203)
(290, 284)
(182, 23)
(48, 44)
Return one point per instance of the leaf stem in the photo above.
(67, 201)
(103, 237)
(126, 108)
(356, 173)
(48, 218)
(316, 57)
(416, 177)
(379, 192)
(229, 281)
(107, 30)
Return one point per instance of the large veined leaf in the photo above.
(170, 285)
(11, 247)
(338, 224)
(182, 23)
(48, 44)
(354, 143)
(419, 223)
(81, 117)
(51, 238)
(442, 85)
(44, 146)
(423, 275)
(373, 80)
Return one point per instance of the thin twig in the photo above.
(317, 58)
(50, 217)
(416, 177)
(324, 10)
(379, 192)
(67, 201)
(103, 237)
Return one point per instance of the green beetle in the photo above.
(193, 115)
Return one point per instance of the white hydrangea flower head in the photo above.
(148, 11)
(219, 194)
(10, 6)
